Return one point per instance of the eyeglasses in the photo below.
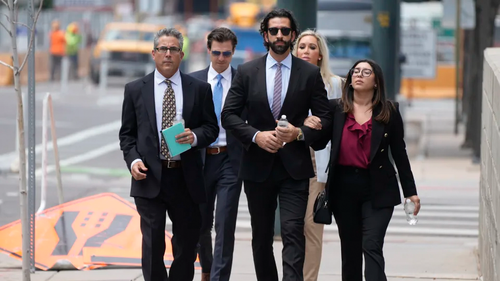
(284, 30)
(364, 72)
(225, 54)
(164, 50)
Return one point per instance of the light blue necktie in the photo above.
(218, 101)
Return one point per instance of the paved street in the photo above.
(87, 124)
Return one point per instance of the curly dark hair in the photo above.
(279, 13)
(221, 34)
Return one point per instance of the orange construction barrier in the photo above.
(87, 233)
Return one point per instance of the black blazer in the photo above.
(385, 138)
(234, 147)
(306, 90)
(139, 134)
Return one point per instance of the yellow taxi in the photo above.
(127, 48)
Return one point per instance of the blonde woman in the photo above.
(311, 47)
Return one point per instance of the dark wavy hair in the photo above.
(279, 13)
(379, 100)
(221, 35)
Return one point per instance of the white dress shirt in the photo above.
(271, 68)
(160, 87)
(226, 84)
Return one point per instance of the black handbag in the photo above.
(322, 213)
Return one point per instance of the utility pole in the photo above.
(304, 11)
(385, 41)
(31, 137)
(458, 31)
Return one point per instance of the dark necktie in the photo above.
(276, 107)
(168, 114)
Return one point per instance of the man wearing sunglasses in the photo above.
(163, 182)
(222, 162)
(276, 163)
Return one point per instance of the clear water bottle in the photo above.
(409, 209)
(178, 118)
(283, 122)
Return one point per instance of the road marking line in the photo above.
(70, 139)
(114, 146)
(409, 230)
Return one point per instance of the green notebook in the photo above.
(169, 134)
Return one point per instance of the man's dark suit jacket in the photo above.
(139, 133)
(384, 184)
(306, 90)
(234, 147)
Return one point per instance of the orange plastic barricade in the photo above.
(87, 233)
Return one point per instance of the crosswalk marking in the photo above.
(434, 220)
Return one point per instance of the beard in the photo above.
(280, 49)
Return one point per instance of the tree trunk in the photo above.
(486, 11)
(23, 195)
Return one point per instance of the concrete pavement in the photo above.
(406, 259)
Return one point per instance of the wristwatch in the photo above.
(300, 136)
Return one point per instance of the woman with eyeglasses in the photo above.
(362, 184)
(311, 47)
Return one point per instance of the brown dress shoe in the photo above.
(205, 277)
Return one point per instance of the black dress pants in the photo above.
(262, 202)
(185, 215)
(361, 227)
(222, 183)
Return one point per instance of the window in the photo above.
(352, 48)
(128, 35)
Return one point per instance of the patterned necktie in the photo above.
(218, 90)
(168, 114)
(276, 107)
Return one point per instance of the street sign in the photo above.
(419, 47)
(87, 233)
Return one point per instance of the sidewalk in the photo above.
(444, 174)
(407, 259)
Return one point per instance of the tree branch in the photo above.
(5, 3)
(6, 17)
(6, 29)
(32, 35)
(7, 65)
(23, 24)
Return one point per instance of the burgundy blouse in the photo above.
(355, 143)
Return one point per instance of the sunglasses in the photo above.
(226, 54)
(284, 30)
(164, 50)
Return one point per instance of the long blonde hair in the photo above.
(324, 64)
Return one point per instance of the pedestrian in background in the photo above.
(362, 184)
(268, 87)
(57, 49)
(312, 47)
(73, 40)
(186, 48)
(222, 164)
